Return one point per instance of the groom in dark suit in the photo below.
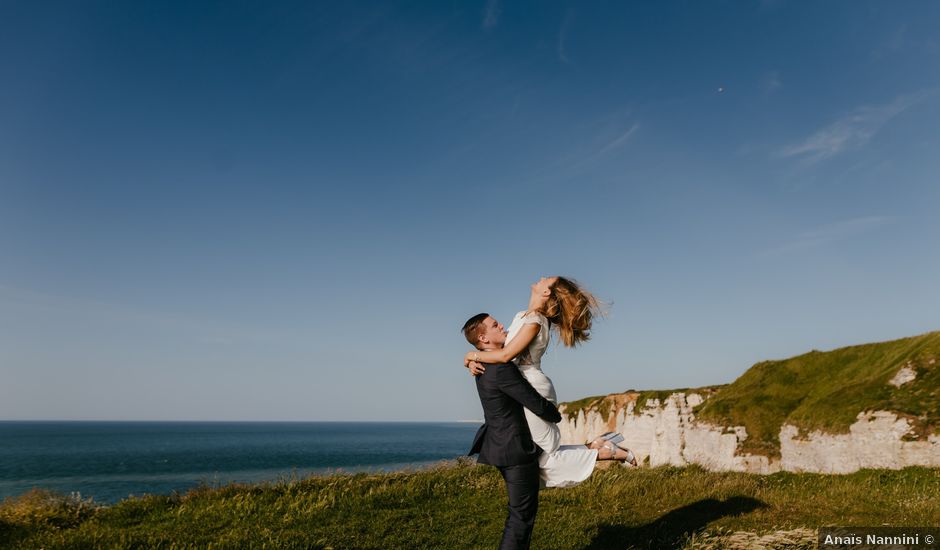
(504, 440)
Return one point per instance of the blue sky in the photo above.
(285, 211)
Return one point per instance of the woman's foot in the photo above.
(609, 451)
(629, 457)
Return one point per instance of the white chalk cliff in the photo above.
(666, 432)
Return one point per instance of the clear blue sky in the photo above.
(285, 211)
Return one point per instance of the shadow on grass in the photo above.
(9, 534)
(671, 530)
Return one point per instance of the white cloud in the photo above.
(851, 131)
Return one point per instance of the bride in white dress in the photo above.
(561, 304)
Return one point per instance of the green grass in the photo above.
(459, 505)
(827, 390)
(571, 408)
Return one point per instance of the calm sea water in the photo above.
(111, 460)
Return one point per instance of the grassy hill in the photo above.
(827, 390)
(815, 391)
(460, 505)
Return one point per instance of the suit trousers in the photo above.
(522, 483)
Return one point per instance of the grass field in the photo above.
(461, 505)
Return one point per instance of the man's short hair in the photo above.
(473, 329)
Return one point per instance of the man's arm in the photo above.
(513, 384)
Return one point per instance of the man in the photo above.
(504, 440)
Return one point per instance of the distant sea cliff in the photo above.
(867, 406)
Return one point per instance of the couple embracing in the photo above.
(520, 434)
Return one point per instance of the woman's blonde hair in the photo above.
(571, 310)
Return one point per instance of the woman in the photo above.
(561, 304)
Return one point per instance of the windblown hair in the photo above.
(571, 311)
(473, 328)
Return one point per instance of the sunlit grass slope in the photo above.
(827, 390)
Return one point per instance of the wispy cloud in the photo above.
(585, 148)
(851, 131)
(618, 141)
(607, 141)
(491, 14)
(828, 234)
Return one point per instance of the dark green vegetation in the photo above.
(605, 403)
(827, 390)
(459, 505)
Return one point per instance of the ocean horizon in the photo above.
(109, 460)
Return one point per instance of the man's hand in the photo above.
(476, 369)
(471, 361)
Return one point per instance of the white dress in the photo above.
(559, 465)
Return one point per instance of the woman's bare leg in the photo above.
(596, 444)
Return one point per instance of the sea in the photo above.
(109, 461)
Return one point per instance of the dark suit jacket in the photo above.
(504, 438)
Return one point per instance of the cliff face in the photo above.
(876, 440)
(665, 431)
